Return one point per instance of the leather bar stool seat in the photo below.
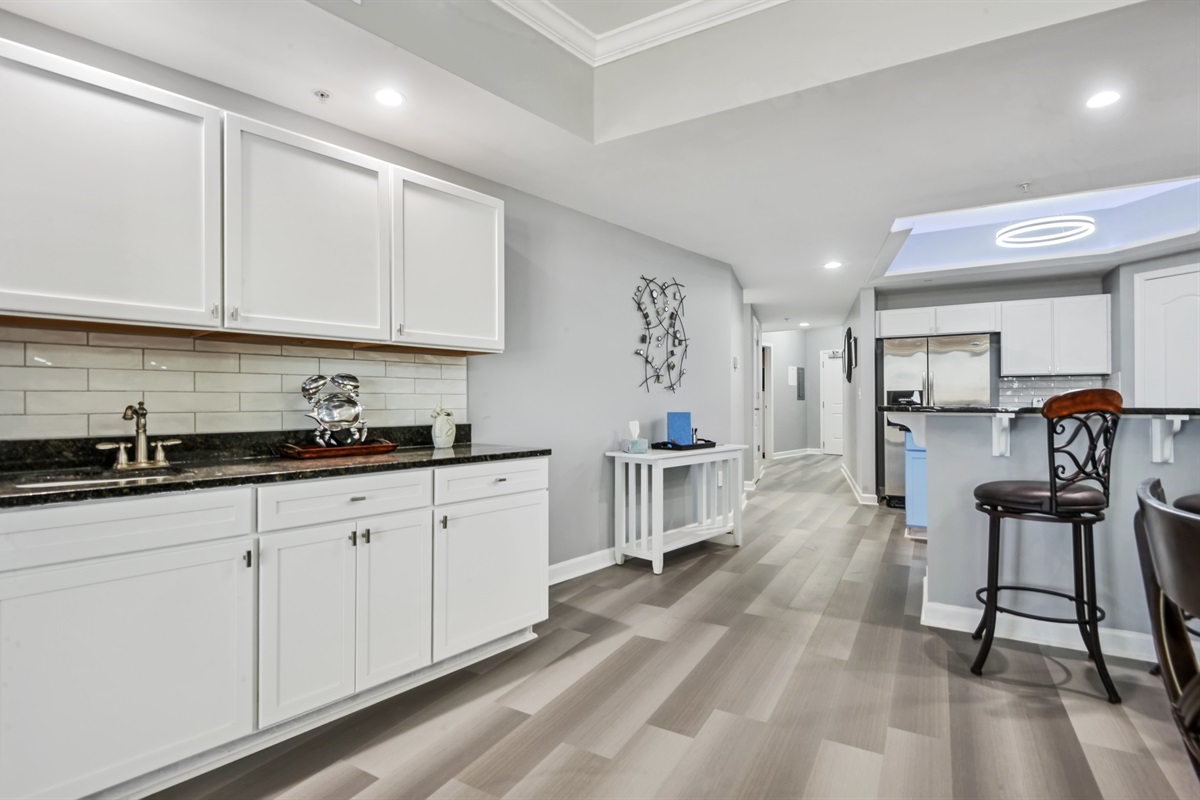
(1035, 496)
(1189, 503)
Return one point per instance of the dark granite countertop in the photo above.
(216, 461)
(1132, 411)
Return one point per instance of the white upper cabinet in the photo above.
(1056, 336)
(899, 322)
(307, 243)
(109, 196)
(447, 264)
(1166, 337)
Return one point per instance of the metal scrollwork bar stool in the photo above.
(1081, 427)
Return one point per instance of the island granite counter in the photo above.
(962, 452)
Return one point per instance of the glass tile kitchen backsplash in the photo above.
(60, 384)
(1034, 391)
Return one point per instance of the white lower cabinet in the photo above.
(342, 607)
(116, 667)
(490, 569)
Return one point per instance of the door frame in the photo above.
(768, 405)
(1139, 321)
(828, 354)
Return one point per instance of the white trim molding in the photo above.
(807, 451)
(595, 49)
(863, 499)
(583, 565)
(1114, 642)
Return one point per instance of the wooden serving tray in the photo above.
(372, 448)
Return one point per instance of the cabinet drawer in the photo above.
(477, 481)
(39, 536)
(303, 503)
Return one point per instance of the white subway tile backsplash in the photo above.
(41, 378)
(67, 355)
(240, 382)
(191, 401)
(363, 369)
(40, 335)
(138, 340)
(209, 346)
(238, 421)
(12, 354)
(80, 402)
(414, 370)
(12, 402)
(191, 362)
(80, 383)
(279, 365)
(37, 426)
(115, 380)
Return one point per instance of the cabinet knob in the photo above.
(445, 522)
(233, 313)
(366, 536)
(216, 310)
(353, 538)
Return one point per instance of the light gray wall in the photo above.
(859, 396)
(1119, 283)
(568, 378)
(790, 420)
(489, 47)
(1037, 553)
(987, 292)
(816, 340)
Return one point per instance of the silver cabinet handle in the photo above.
(353, 538)
(445, 522)
(216, 310)
(233, 314)
(400, 328)
(358, 499)
(366, 536)
(501, 480)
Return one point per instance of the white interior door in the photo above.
(395, 593)
(756, 458)
(307, 235)
(831, 402)
(306, 620)
(1166, 319)
(768, 403)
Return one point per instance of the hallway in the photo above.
(795, 666)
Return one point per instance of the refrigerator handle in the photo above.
(930, 400)
(925, 390)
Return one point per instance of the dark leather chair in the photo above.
(1189, 503)
(1168, 542)
(1081, 427)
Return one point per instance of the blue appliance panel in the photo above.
(915, 489)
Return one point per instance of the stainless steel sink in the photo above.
(80, 479)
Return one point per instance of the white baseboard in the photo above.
(749, 486)
(808, 451)
(592, 562)
(863, 499)
(1125, 644)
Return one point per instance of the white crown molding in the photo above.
(665, 26)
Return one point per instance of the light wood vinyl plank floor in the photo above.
(793, 667)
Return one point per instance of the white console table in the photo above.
(716, 489)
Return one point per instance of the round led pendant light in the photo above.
(1046, 231)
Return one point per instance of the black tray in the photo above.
(700, 444)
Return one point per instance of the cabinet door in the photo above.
(110, 196)
(448, 264)
(1025, 337)
(306, 235)
(967, 318)
(1082, 337)
(306, 620)
(905, 322)
(117, 667)
(490, 574)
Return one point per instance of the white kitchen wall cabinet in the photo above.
(115, 667)
(110, 196)
(937, 320)
(394, 609)
(490, 569)
(307, 242)
(306, 619)
(447, 265)
(1056, 336)
(900, 322)
(1166, 337)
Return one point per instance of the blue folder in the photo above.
(679, 427)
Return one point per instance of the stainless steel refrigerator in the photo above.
(932, 371)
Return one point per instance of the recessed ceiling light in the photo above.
(1046, 231)
(833, 265)
(1102, 99)
(389, 97)
(803, 324)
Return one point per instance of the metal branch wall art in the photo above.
(664, 342)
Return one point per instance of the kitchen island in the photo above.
(969, 446)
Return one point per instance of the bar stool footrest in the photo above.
(981, 596)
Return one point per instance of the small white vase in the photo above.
(443, 431)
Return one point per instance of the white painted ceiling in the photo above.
(775, 186)
(603, 16)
